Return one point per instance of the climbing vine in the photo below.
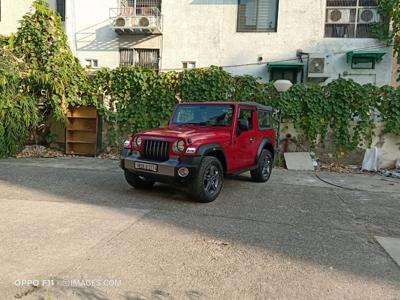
(18, 111)
(387, 29)
(207, 84)
(310, 99)
(140, 99)
(39, 77)
(55, 76)
(390, 109)
(135, 99)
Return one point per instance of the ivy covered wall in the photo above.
(141, 99)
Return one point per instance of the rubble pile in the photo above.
(38, 151)
(111, 156)
(340, 168)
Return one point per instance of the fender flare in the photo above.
(265, 142)
(208, 148)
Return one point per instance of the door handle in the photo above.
(252, 140)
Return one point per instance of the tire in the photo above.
(208, 183)
(137, 182)
(264, 169)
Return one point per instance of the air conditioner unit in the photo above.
(122, 22)
(368, 15)
(147, 22)
(319, 66)
(335, 16)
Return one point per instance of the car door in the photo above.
(245, 143)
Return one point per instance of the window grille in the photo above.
(145, 58)
(350, 18)
(257, 15)
(143, 7)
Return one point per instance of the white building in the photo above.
(257, 37)
(262, 38)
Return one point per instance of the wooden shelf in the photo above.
(80, 142)
(81, 131)
(89, 118)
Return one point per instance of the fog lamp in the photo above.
(183, 172)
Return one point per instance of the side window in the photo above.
(246, 117)
(264, 119)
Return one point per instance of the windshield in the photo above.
(204, 114)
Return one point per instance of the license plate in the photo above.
(146, 167)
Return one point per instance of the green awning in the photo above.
(286, 65)
(364, 56)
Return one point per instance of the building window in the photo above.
(257, 15)
(61, 9)
(148, 58)
(189, 65)
(288, 74)
(126, 57)
(350, 18)
(145, 58)
(143, 7)
(92, 63)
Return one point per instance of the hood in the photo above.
(195, 133)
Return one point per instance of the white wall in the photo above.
(388, 145)
(88, 26)
(205, 31)
(12, 12)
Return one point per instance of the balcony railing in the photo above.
(136, 20)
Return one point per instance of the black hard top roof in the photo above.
(258, 105)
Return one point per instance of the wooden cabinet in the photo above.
(81, 131)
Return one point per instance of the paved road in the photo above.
(76, 222)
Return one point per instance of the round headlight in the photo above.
(137, 141)
(179, 146)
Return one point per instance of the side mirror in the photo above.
(243, 125)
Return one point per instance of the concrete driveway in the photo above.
(78, 231)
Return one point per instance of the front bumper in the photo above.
(167, 171)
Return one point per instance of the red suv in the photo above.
(203, 142)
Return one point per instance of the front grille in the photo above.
(156, 150)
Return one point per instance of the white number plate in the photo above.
(146, 167)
